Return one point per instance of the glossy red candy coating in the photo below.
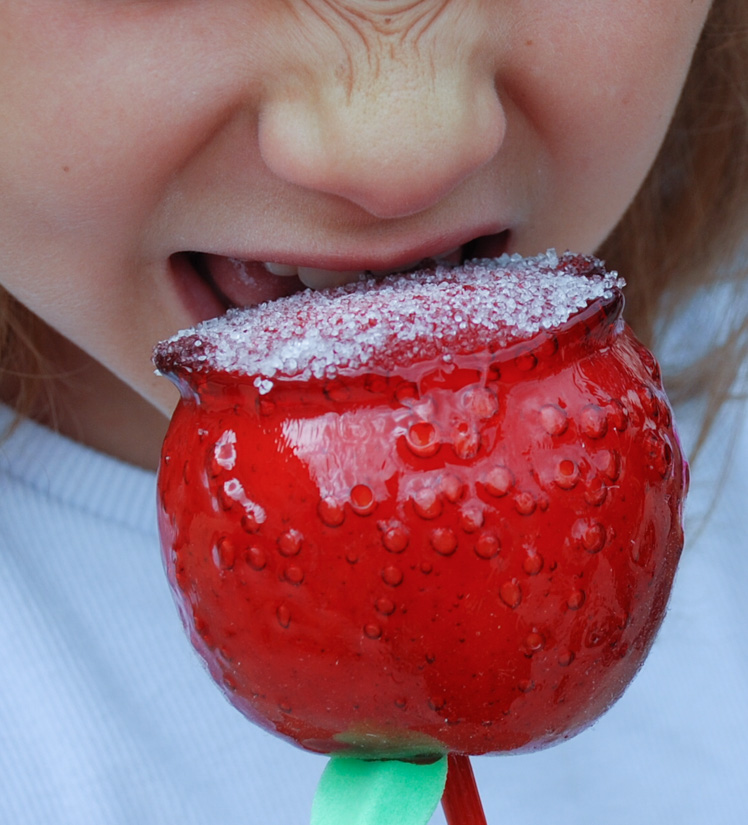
(472, 557)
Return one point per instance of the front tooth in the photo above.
(315, 278)
(453, 257)
(326, 278)
(284, 270)
(381, 273)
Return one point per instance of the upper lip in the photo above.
(381, 256)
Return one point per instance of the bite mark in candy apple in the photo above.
(435, 513)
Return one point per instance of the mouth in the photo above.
(212, 284)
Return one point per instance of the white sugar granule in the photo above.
(400, 318)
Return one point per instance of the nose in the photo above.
(394, 139)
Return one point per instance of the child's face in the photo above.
(322, 134)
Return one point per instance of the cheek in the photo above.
(622, 68)
(89, 163)
(121, 100)
(596, 94)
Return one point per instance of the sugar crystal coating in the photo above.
(379, 323)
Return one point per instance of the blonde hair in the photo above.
(26, 376)
(682, 231)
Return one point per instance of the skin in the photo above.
(336, 134)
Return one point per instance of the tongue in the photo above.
(247, 283)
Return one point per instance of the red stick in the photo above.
(461, 800)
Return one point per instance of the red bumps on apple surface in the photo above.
(435, 512)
